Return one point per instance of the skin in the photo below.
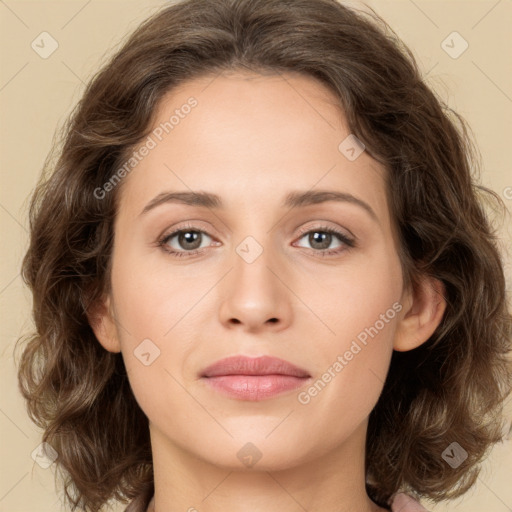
(252, 139)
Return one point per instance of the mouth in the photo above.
(248, 378)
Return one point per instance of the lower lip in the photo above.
(254, 387)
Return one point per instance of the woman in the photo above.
(336, 333)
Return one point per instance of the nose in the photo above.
(255, 295)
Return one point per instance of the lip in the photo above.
(263, 365)
(254, 378)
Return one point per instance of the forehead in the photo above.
(251, 138)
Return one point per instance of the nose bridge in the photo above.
(254, 293)
(255, 257)
(257, 250)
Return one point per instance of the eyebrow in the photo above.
(292, 200)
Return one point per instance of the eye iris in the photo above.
(189, 237)
(325, 239)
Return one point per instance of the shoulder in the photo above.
(402, 502)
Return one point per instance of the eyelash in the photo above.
(349, 242)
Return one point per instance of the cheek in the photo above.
(353, 298)
(361, 307)
(140, 324)
(154, 312)
(352, 372)
(150, 299)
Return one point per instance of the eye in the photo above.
(321, 238)
(189, 241)
(186, 241)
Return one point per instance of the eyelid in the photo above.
(192, 225)
(324, 226)
(302, 230)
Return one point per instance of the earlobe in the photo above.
(426, 305)
(102, 321)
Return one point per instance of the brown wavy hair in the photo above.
(450, 389)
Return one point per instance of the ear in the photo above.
(102, 321)
(424, 306)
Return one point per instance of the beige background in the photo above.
(36, 94)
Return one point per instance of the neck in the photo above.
(332, 481)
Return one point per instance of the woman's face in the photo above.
(255, 274)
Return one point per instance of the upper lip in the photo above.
(243, 365)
